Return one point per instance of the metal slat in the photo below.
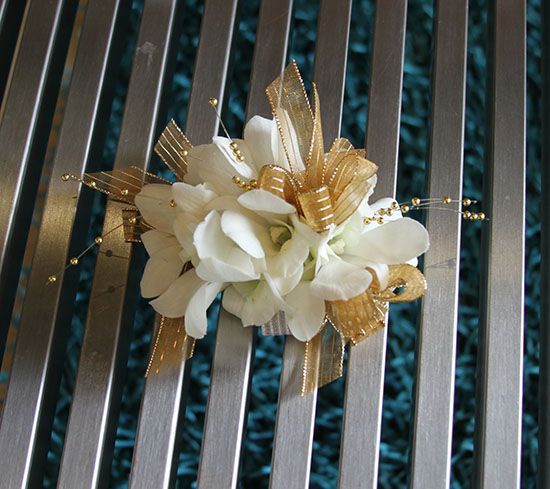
(36, 370)
(93, 417)
(158, 431)
(498, 447)
(365, 376)
(25, 117)
(436, 350)
(230, 378)
(292, 444)
(543, 469)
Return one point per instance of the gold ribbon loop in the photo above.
(317, 208)
(408, 279)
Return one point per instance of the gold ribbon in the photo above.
(355, 320)
(172, 345)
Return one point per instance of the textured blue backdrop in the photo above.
(402, 334)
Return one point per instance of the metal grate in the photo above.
(25, 119)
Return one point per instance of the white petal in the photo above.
(262, 201)
(258, 134)
(244, 232)
(174, 301)
(254, 309)
(339, 280)
(395, 242)
(196, 321)
(215, 164)
(160, 271)
(155, 241)
(240, 269)
(307, 312)
(290, 258)
(285, 284)
(184, 228)
(220, 259)
(153, 203)
(192, 198)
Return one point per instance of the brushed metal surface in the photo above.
(30, 401)
(230, 378)
(94, 410)
(227, 403)
(25, 117)
(543, 468)
(498, 447)
(436, 344)
(156, 447)
(360, 445)
(292, 444)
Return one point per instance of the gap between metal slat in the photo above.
(500, 375)
(25, 118)
(156, 449)
(231, 365)
(292, 444)
(436, 344)
(543, 469)
(36, 370)
(94, 411)
(11, 13)
(365, 375)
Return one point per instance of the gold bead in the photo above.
(466, 202)
(236, 179)
(382, 211)
(475, 216)
(481, 216)
(447, 200)
(52, 279)
(93, 184)
(73, 261)
(234, 146)
(65, 177)
(124, 191)
(405, 209)
(380, 220)
(254, 183)
(132, 220)
(415, 201)
(213, 101)
(184, 152)
(98, 240)
(240, 158)
(466, 214)
(238, 153)
(172, 203)
(367, 220)
(389, 212)
(394, 205)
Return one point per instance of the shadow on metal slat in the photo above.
(231, 366)
(365, 376)
(500, 362)
(94, 410)
(292, 444)
(436, 345)
(158, 433)
(36, 370)
(25, 119)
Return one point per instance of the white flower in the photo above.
(254, 246)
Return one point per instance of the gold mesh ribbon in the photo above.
(325, 189)
(323, 359)
(172, 345)
(173, 149)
